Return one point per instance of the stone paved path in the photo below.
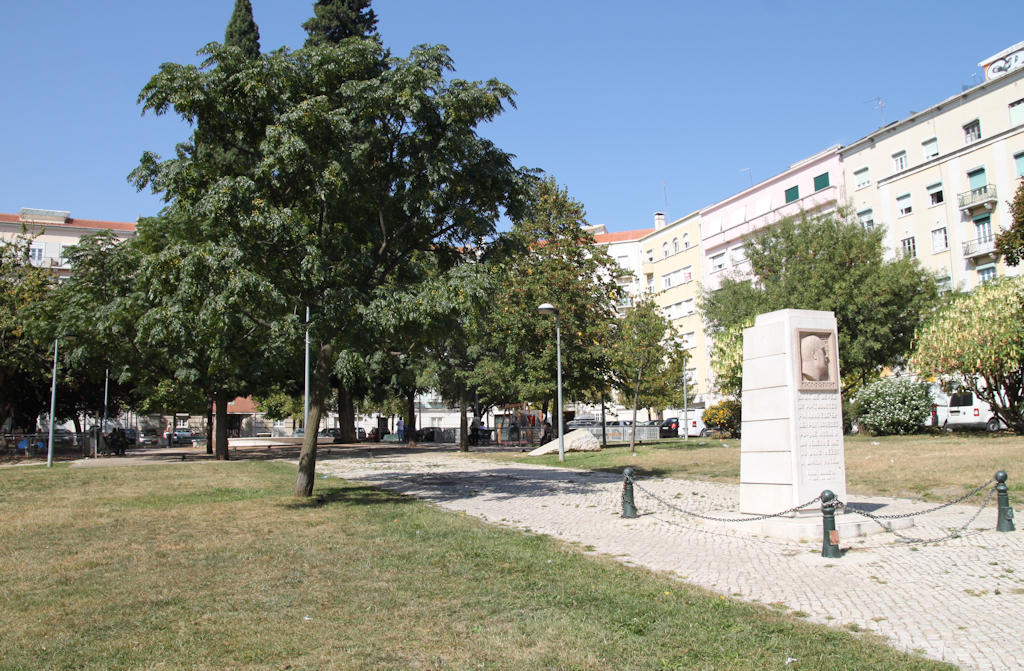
(960, 600)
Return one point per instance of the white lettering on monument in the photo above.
(819, 436)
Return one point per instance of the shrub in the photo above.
(895, 405)
(724, 416)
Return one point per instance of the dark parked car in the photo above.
(669, 428)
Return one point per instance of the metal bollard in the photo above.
(1005, 521)
(829, 535)
(628, 506)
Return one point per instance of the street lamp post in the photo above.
(53, 407)
(548, 308)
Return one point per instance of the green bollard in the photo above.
(1005, 521)
(628, 506)
(829, 535)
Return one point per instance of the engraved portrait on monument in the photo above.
(816, 360)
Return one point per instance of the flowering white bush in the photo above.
(895, 405)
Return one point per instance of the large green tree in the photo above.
(977, 340)
(551, 259)
(26, 345)
(242, 31)
(830, 262)
(357, 171)
(336, 20)
(1010, 242)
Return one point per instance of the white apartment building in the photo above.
(940, 181)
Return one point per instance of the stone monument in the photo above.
(792, 435)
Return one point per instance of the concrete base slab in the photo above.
(810, 528)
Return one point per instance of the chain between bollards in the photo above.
(829, 535)
(1005, 520)
(628, 504)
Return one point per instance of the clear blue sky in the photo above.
(634, 107)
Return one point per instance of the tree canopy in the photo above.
(1010, 242)
(977, 340)
(336, 20)
(358, 176)
(830, 262)
(242, 31)
(553, 259)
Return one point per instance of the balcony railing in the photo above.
(984, 195)
(982, 246)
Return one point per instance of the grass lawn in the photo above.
(215, 566)
(937, 467)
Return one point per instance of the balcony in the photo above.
(983, 246)
(984, 196)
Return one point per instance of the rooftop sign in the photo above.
(1004, 62)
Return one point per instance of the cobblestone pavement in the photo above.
(959, 600)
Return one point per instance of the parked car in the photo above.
(619, 422)
(669, 428)
(333, 433)
(581, 422)
(64, 438)
(695, 425)
(148, 437)
(964, 410)
(132, 436)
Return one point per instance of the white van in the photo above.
(964, 410)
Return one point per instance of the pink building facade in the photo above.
(813, 185)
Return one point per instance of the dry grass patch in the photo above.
(937, 467)
(216, 566)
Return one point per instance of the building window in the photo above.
(935, 194)
(983, 227)
(862, 178)
(686, 240)
(986, 274)
(940, 241)
(1017, 112)
(35, 254)
(686, 274)
(972, 132)
(650, 282)
(821, 182)
(675, 245)
(903, 205)
(686, 307)
(717, 262)
(1019, 158)
(930, 148)
(899, 161)
(867, 219)
(739, 255)
(689, 340)
(664, 250)
(650, 256)
(909, 246)
(977, 180)
(792, 193)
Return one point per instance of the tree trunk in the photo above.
(307, 457)
(209, 428)
(220, 426)
(463, 424)
(346, 414)
(410, 420)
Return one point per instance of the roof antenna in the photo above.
(879, 105)
(664, 190)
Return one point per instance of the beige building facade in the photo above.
(52, 232)
(940, 181)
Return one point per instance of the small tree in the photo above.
(978, 339)
(336, 20)
(638, 351)
(1011, 241)
(895, 405)
(726, 416)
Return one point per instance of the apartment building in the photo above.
(940, 181)
(671, 272)
(624, 248)
(53, 232)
